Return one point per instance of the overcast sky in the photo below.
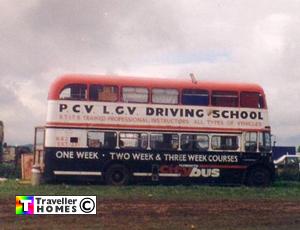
(234, 40)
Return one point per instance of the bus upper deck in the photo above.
(142, 103)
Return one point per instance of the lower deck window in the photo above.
(250, 141)
(194, 142)
(102, 139)
(164, 141)
(133, 140)
(265, 142)
(224, 143)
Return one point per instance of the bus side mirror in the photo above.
(4, 145)
(273, 140)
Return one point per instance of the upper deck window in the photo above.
(135, 94)
(194, 97)
(251, 100)
(165, 96)
(224, 98)
(74, 92)
(103, 93)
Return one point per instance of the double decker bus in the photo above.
(119, 129)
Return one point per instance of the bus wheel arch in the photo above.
(258, 176)
(116, 174)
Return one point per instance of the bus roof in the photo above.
(176, 83)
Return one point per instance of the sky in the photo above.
(256, 41)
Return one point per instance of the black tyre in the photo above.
(117, 174)
(259, 177)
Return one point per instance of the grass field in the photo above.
(279, 190)
(162, 207)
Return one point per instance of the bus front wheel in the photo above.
(117, 175)
(259, 176)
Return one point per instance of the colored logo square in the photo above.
(24, 205)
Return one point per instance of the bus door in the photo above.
(39, 143)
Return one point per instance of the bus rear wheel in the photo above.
(259, 177)
(117, 175)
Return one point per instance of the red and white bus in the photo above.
(123, 128)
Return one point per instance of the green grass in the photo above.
(280, 190)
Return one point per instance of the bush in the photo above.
(9, 170)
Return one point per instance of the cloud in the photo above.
(216, 40)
